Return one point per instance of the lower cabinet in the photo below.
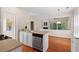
(26, 38)
(29, 39)
(38, 41)
(75, 44)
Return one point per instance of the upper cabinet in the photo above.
(45, 25)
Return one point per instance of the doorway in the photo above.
(32, 25)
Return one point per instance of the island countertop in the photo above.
(39, 32)
(8, 45)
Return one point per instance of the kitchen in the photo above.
(28, 26)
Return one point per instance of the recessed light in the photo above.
(58, 9)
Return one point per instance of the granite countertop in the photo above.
(76, 37)
(39, 32)
(9, 45)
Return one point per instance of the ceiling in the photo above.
(49, 11)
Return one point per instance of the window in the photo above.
(59, 24)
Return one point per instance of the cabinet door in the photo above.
(30, 39)
(25, 38)
(45, 42)
(21, 37)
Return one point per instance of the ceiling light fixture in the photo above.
(58, 22)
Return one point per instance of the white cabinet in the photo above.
(75, 44)
(29, 39)
(26, 38)
(21, 36)
(45, 42)
(35, 40)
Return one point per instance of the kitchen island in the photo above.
(10, 45)
(35, 39)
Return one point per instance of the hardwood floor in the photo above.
(56, 44)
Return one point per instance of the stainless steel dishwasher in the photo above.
(37, 41)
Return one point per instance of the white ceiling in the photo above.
(49, 11)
